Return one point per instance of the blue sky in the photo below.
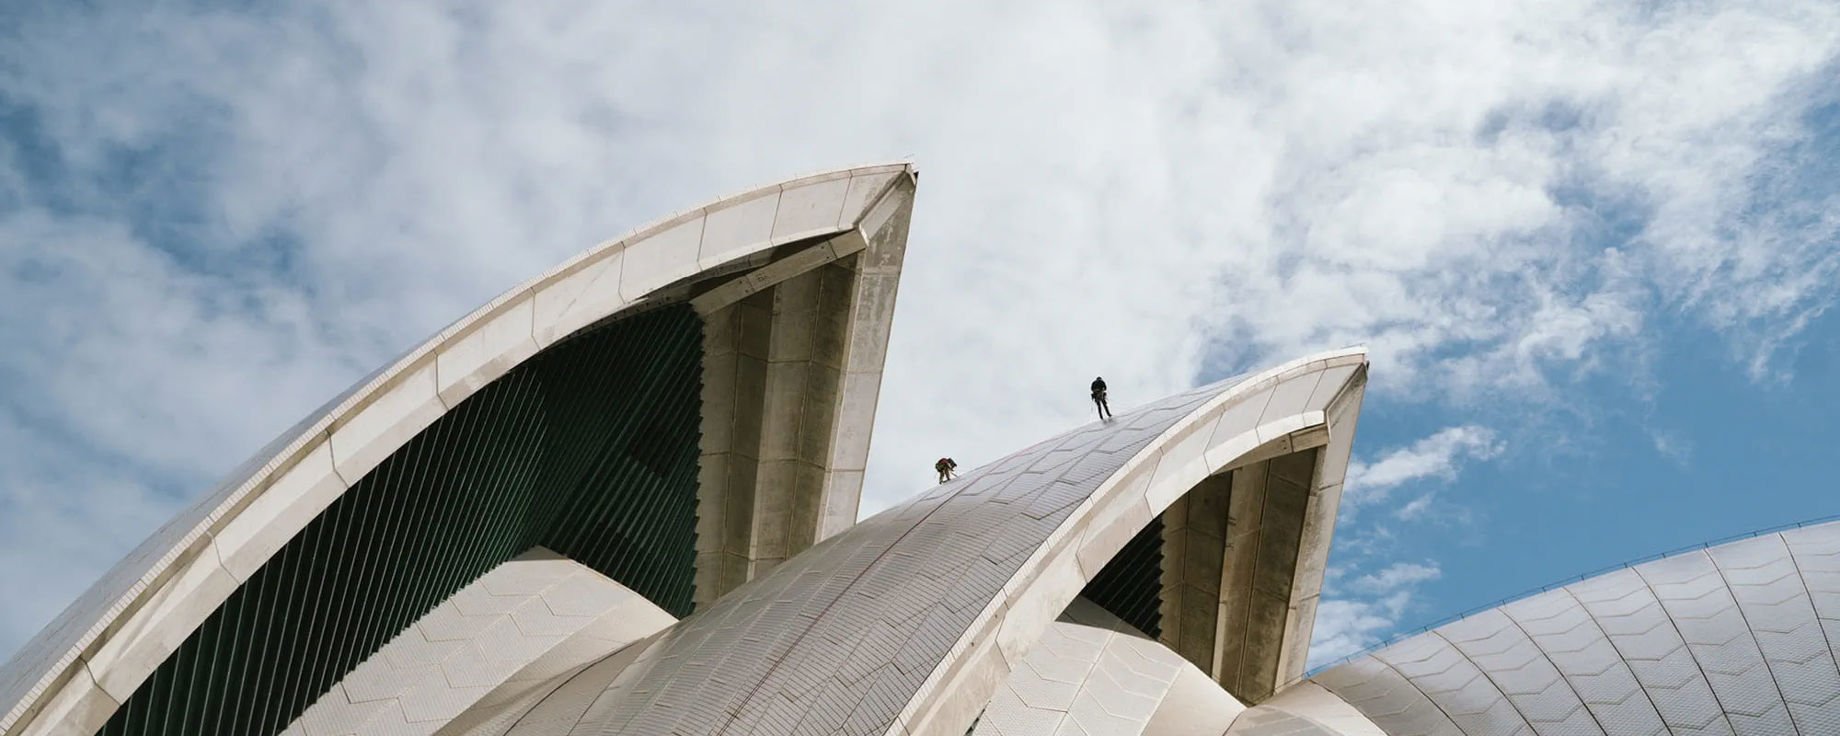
(1592, 246)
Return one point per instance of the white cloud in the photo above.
(1416, 508)
(1369, 589)
(252, 208)
(1395, 577)
(1368, 611)
(1439, 456)
(1672, 446)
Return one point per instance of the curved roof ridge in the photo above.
(909, 620)
(1565, 582)
(48, 661)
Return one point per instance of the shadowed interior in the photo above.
(1131, 585)
(588, 448)
(1211, 576)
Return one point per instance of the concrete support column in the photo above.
(1245, 521)
(736, 345)
(1319, 528)
(1268, 596)
(1194, 534)
(793, 355)
(871, 318)
(774, 403)
(1230, 568)
(804, 377)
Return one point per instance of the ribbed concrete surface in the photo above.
(1735, 639)
(479, 641)
(1092, 674)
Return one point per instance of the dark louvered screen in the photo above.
(588, 448)
(1131, 585)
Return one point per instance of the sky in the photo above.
(1592, 247)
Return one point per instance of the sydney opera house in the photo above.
(622, 499)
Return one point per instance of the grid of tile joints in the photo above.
(1304, 709)
(1092, 673)
(475, 642)
(344, 438)
(1734, 639)
(855, 633)
(839, 638)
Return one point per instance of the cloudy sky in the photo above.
(1592, 246)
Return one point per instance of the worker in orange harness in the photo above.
(946, 467)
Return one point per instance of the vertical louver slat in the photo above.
(1130, 586)
(337, 522)
(198, 684)
(589, 448)
(276, 613)
(248, 634)
(305, 611)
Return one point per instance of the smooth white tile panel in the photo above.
(391, 419)
(468, 363)
(862, 188)
(552, 300)
(79, 708)
(738, 228)
(660, 259)
(1290, 397)
(167, 616)
(810, 209)
(279, 512)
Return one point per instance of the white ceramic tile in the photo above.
(661, 258)
(79, 708)
(166, 617)
(1290, 397)
(862, 188)
(1183, 464)
(280, 511)
(493, 348)
(405, 408)
(552, 300)
(1234, 435)
(810, 209)
(737, 228)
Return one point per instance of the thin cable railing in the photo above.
(1399, 637)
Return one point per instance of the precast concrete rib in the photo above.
(1733, 639)
(907, 622)
(498, 533)
(822, 252)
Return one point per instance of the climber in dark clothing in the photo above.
(946, 467)
(1098, 397)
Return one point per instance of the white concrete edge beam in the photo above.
(1341, 410)
(774, 273)
(871, 323)
(408, 395)
(1176, 462)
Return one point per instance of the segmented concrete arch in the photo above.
(787, 285)
(1735, 638)
(908, 622)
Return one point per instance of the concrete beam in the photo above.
(1231, 547)
(793, 354)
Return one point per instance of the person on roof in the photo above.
(946, 468)
(1098, 397)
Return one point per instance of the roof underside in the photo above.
(565, 413)
(910, 619)
(588, 449)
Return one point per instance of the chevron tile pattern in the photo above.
(480, 640)
(1091, 673)
(839, 638)
(1731, 640)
